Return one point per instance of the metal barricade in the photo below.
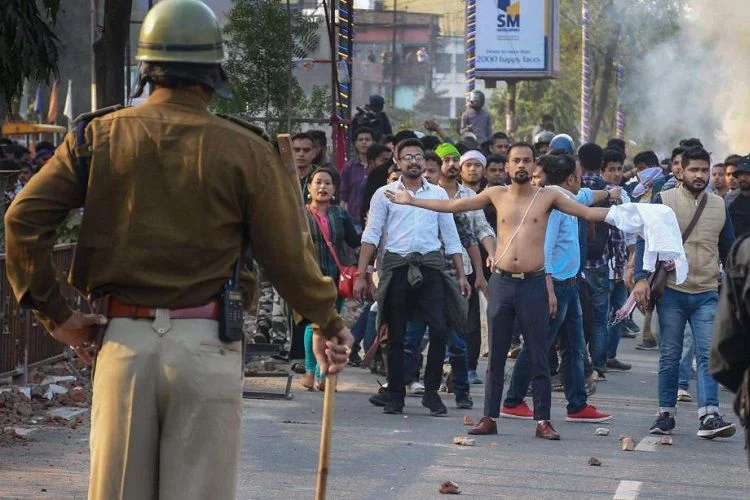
(23, 341)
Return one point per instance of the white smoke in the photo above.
(697, 84)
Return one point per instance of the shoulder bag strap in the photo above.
(696, 216)
(328, 243)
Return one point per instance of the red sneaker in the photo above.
(588, 414)
(521, 411)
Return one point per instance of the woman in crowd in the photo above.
(331, 228)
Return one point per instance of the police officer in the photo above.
(173, 195)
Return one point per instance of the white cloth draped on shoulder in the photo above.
(657, 225)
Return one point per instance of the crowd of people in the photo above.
(555, 274)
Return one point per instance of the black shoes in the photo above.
(380, 399)
(432, 401)
(713, 426)
(394, 407)
(464, 401)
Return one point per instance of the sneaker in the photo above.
(432, 401)
(684, 396)
(588, 414)
(617, 365)
(664, 424)
(464, 401)
(416, 389)
(599, 376)
(474, 378)
(647, 345)
(514, 351)
(394, 407)
(713, 426)
(625, 334)
(631, 326)
(522, 411)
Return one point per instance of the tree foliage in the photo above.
(28, 44)
(621, 32)
(261, 38)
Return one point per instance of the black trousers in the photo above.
(473, 326)
(588, 325)
(525, 300)
(429, 300)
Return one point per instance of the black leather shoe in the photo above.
(380, 399)
(432, 401)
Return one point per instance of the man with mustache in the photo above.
(518, 286)
(695, 300)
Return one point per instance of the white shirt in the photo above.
(408, 229)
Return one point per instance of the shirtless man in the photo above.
(518, 287)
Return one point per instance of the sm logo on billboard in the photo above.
(509, 14)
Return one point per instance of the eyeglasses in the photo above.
(411, 158)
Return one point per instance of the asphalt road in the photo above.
(378, 456)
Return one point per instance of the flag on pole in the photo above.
(23, 105)
(52, 112)
(38, 103)
(68, 108)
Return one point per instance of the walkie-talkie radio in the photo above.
(231, 314)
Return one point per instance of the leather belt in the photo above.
(566, 282)
(519, 276)
(119, 310)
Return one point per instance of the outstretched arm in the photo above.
(570, 207)
(478, 202)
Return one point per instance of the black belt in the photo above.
(519, 276)
(566, 282)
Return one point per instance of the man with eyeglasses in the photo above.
(413, 283)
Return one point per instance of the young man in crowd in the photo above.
(601, 239)
(475, 119)
(495, 173)
(695, 299)
(739, 208)
(518, 286)
(472, 172)
(730, 166)
(431, 167)
(675, 169)
(562, 260)
(412, 277)
(718, 181)
(449, 172)
(499, 143)
(354, 173)
(621, 262)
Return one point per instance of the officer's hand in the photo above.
(78, 334)
(333, 355)
(642, 294)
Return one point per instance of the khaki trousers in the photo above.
(166, 412)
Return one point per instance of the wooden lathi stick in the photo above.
(329, 404)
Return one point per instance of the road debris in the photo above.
(468, 420)
(595, 462)
(602, 431)
(627, 443)
(464, 441)
(449, 488)
(667, 440)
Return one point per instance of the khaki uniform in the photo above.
(174, 194)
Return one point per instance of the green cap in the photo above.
(185, 31)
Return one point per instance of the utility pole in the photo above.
(393, 56)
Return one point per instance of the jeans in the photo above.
(598, 281)
(568, 325)
(527, 301)
(618, 294)
(401, 300)
(457, 356)
(675, 310)
(361, 331)
(686, 363)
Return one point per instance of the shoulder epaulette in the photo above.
(87, 117)
(244, 124)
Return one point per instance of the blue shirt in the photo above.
(562, 252)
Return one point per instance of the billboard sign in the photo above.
(516, 39)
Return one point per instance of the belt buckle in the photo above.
(519, 276)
